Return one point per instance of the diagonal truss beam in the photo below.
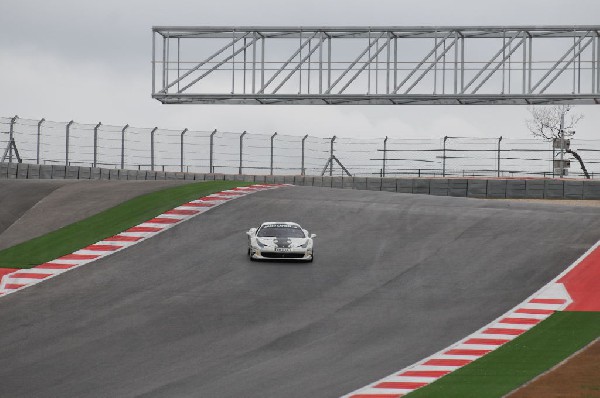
(482, 71)
(286, 63)
(201, 64)
(553, 68)
(435, 48)
(217, 66)
(566, 65)
(362, 54)
(367, 63)
(506, 56)
(426, 71)
(302, 61)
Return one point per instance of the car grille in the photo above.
(282, 255)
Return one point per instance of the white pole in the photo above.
(562, 144)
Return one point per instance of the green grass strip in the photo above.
(520, 360)
(110, 222)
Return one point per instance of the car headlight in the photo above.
(304, 245)
(259, 243)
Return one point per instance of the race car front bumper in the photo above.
(271, 254)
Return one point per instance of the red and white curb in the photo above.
(573, 290)
(23, 278)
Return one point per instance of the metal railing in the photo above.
(101, 145)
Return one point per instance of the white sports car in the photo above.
(281, 241)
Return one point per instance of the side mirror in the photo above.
(313, 236)
(251, 231)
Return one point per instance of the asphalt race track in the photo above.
(186, 314)
(26, 204)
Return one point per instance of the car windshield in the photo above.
(280, 231)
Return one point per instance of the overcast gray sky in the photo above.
(90, 61)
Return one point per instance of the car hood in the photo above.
(283, 242)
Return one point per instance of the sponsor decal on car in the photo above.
(279, 226)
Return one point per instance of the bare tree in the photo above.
(551, 122)
(546, 121)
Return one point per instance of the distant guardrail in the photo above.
(492, 188)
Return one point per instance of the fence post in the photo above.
(444, 158)
(241, 151)
(211, 167)
(39, 133)
(499, 141)
(272, 138)
(181, 154)
(96, 144)
(123, 146)
(553, 157)
(384, 155)
(331, 156)
(67, 133)
(562, 145)
(152, 148)
(303, 169)
(11, 138)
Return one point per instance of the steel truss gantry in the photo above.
(376, 65)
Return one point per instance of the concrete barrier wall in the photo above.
(494, 188)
